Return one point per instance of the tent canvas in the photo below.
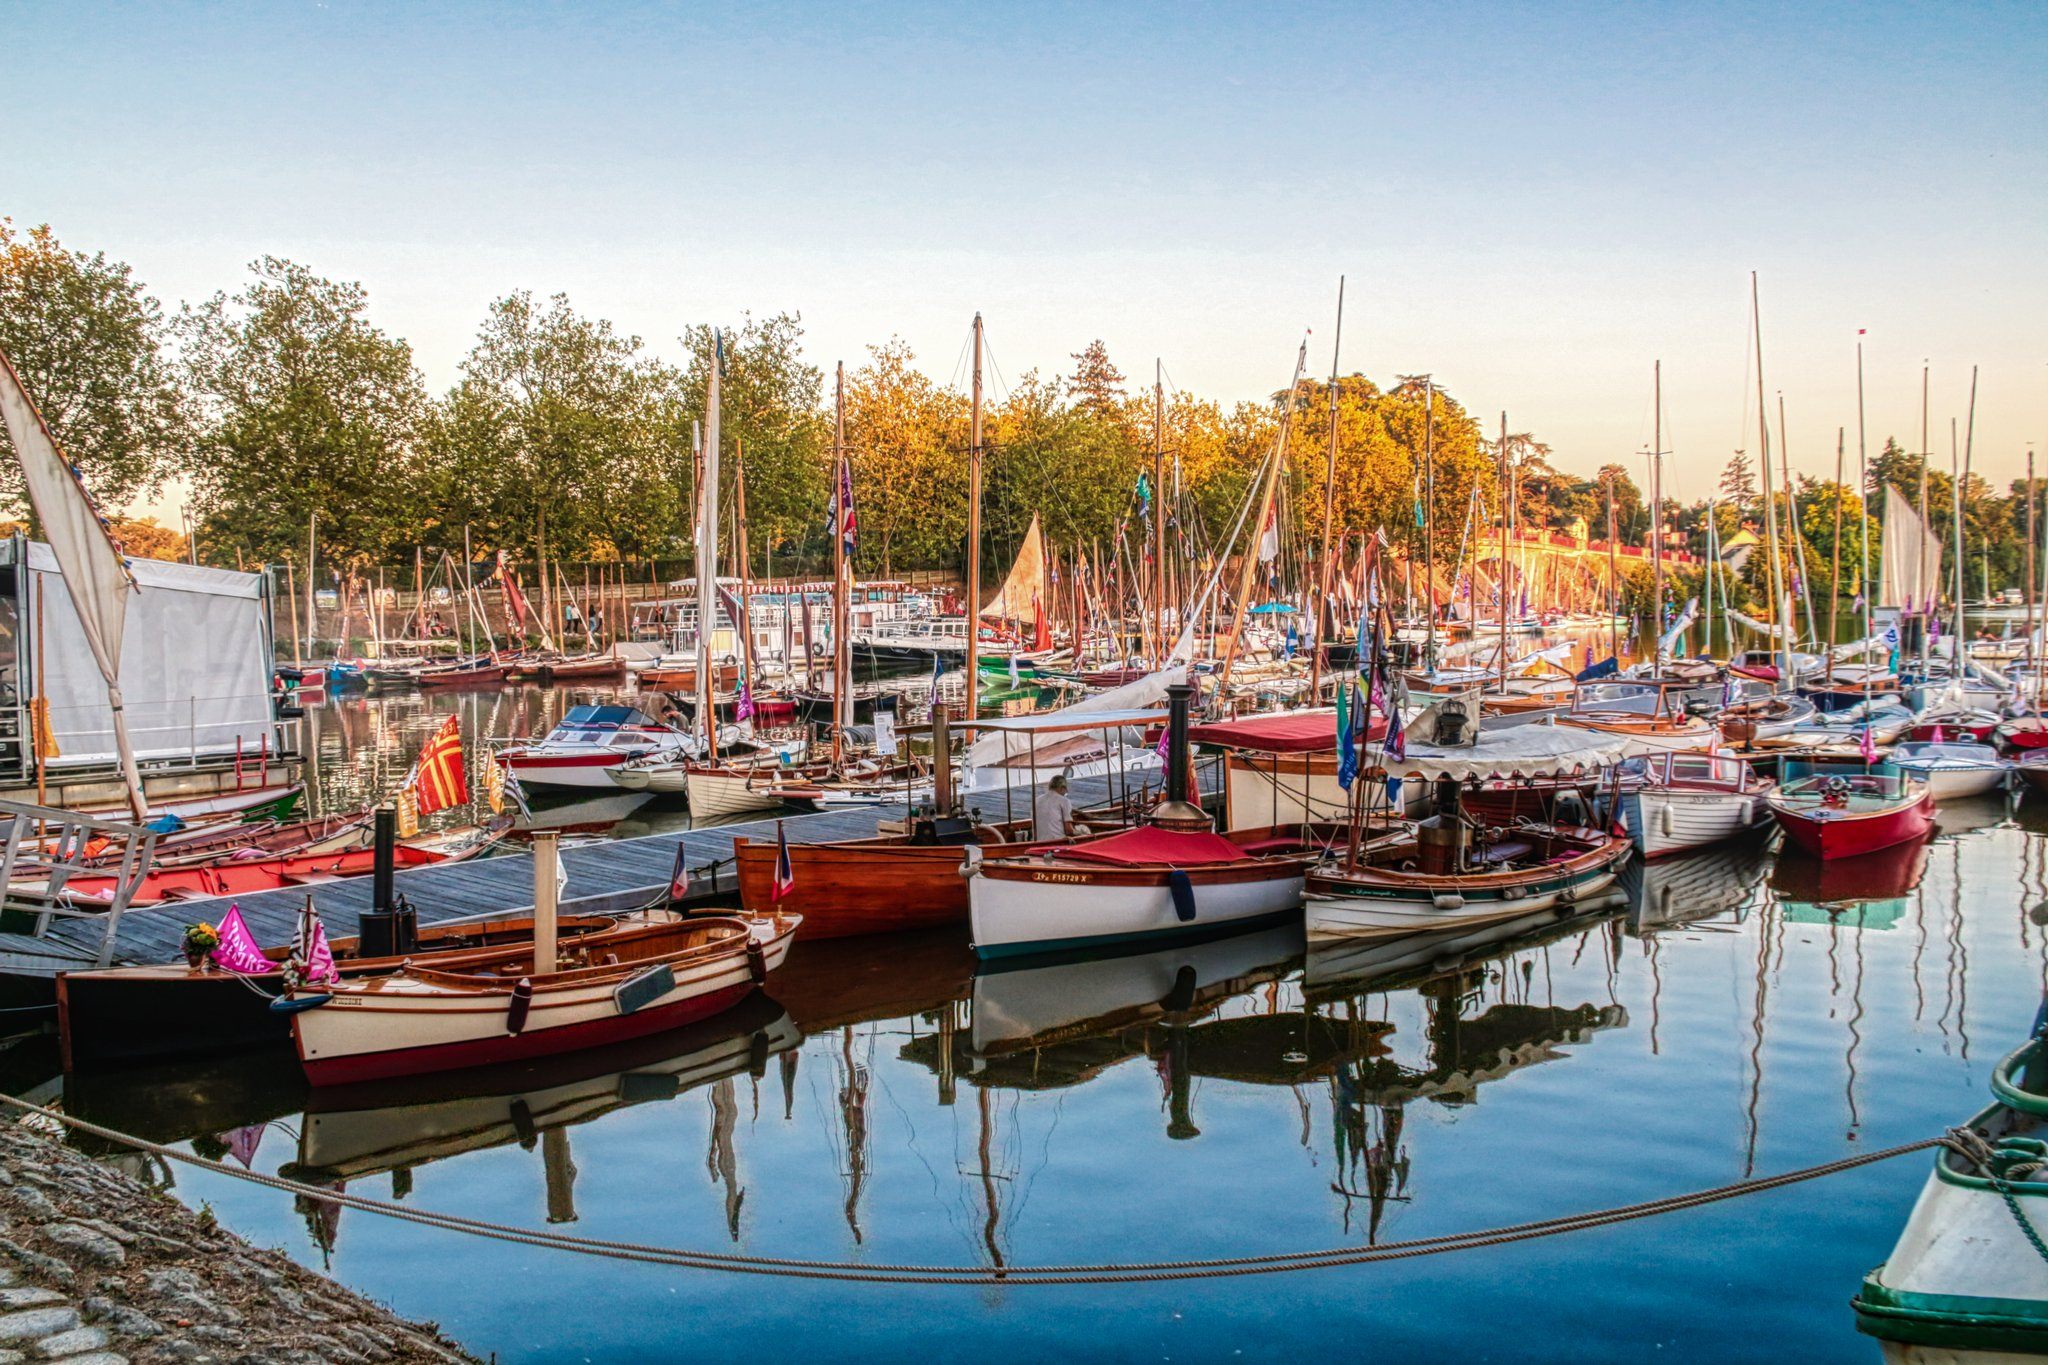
(195, 662)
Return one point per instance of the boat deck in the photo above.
(604, 877)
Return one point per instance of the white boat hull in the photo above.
(1378, 917)
(1959, 784)
(714, 794)
(1012, 916)
(1663, 821)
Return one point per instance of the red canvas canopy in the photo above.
(1150, 844)
(1282, 732)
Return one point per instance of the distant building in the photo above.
(1735, 550)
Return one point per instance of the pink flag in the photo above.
(243, 1142)
(238, 951)
(320, 958)
(1866, 745)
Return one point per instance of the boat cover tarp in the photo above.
(1535, 750)
(1150, 844)
(996, 746)
(195, 662)
(1283, 732)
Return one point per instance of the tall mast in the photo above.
(1256, 526)
(974, 535)
(1657, 511)
(707, 549)
(1863, 526)
(739, 548)
(1962, 478)
(2033, 646)
(1781, 609)
(1507, 504)
(1158, 519)
(1835, 564)
(1613, 619)
(312, 556)
(1926, 518)
(1320, 604)
(842, 681)
(1429, 516)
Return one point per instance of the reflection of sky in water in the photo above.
(1211, 1101)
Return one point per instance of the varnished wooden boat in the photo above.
(641, 981)
(724, 677)
(884, 885)
(480, 672)
(134, 1014)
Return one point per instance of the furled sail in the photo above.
(95, 576)
(1025, 586)
(1911, 576)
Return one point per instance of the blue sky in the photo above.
(1532, 202)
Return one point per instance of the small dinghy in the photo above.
(500, 1009)
(1689, 801)
(1761, 718)
(1954, 771)
(1967, 1276)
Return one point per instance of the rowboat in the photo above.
(1650, 717)
(1437, 878)
(682, 677)
(146, 1013)
(1954, 771)
(483, 671)
(1691, 800)
(1966, 1278)
(571, 668)
(1841, 810)
(1138, 885)
(588, 741)
(501, 1009)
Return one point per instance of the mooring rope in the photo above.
(1107, 1273)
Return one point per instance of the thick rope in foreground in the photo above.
(1112, 1273)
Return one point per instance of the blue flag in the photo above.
(1347, 747)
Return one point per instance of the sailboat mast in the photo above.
(842, 680)
(1613, 618)
(1863, 526)
(2033, 645)
(1507, 505)
(312, 555)
(974, 536)
(1920, 582)
(1962, 479)
(739, 536)
(707, 549)
(1657, 510)
(1780, 607)
(1429, 517)
(1256, 527)
(1320, 607)
(1158, 518)
(1835, 561)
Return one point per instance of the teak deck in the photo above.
(603, 878)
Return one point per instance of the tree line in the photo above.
(564, 438)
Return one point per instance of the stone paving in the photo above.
(97, 1268)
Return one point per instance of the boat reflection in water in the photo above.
(1710, 886)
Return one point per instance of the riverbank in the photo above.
(97, 1267)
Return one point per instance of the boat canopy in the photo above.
(605, 716)
(1151, 844)
(1282, 732)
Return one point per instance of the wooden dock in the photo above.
(604, 877)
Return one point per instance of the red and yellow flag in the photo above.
(438, 780)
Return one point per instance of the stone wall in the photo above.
(97, 1268)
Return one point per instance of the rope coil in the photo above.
(1108, 1273)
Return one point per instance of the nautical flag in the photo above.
(938, 667)
(494, 786)
(514, 791)
(1041, 630)
(1393, 793)
(1347, 747)
(1857, 605)
(1731, 691)
(1144, 495)
(243, 1142)
(785, 875)
(1165, 738)
(1589, 654)
(513, 597)
(437, 780)
(679, 875)
(745, 709)
(843, 522)
(310, 948)
(1397, 739)
(237, 950)
(1865, 745)
(1287, 650)
(1269, 536)
(1936, 737)
(1015, 679)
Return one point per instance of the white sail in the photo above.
(1910, 577)
(1024, 590)
(1150, 690)
(95, 577)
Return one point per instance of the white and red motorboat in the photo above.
(500, 1009)
(589, 743)
(1841, 810)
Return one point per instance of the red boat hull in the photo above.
(1847, 836)
(519, 1047)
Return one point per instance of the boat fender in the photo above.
(1183, 895)
(757, 1056)
(1665, 820)
(970, 864)
(1447, 900)
(1181, 998)
(293, 1004)
(517, 1008)
(757, 963)
(523, 1126)
(1567, 893)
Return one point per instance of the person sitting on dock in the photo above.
(1052, 814)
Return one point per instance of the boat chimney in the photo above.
(1176, 811)
(377, 927)
(942, 762)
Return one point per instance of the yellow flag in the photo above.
(408, 812)
(46, 734)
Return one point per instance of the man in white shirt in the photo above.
(1052, 814)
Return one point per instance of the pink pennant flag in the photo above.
(1866, 746)
(238, 951)
(243, 1142)
(320, 966)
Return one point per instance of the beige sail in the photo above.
(1025, 587)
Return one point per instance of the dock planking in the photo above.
(603, 877)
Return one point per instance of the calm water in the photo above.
(884, 1104)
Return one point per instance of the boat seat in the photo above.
(1505, 851)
